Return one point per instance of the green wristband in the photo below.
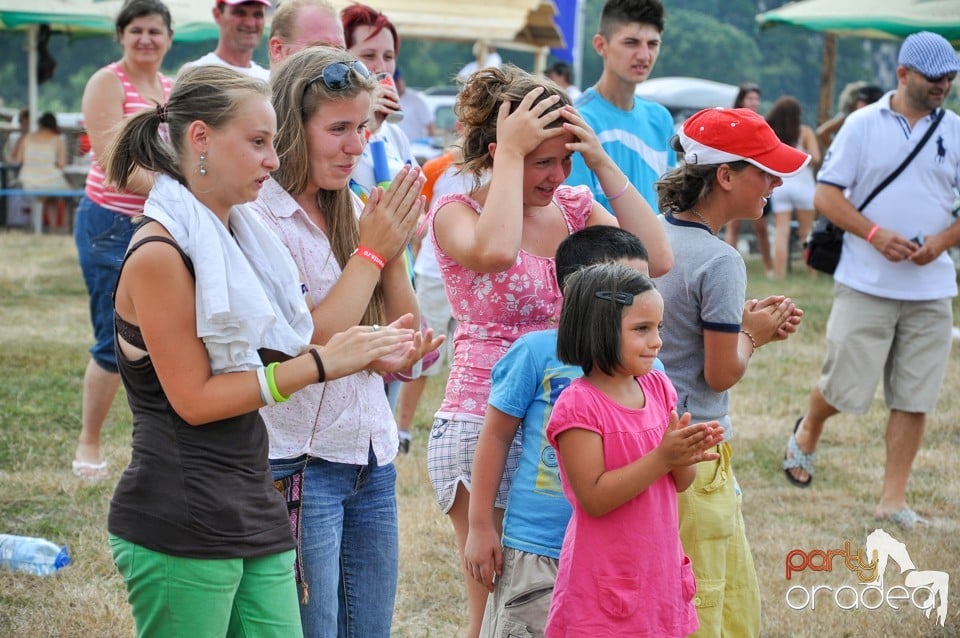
(272, 384)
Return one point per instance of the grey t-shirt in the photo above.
(705, 290)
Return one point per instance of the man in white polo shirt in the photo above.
(891, 313)
(241, 25)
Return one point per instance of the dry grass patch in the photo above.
(43, 342)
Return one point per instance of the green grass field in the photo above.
(44, 333)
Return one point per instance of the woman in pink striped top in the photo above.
(104, 217)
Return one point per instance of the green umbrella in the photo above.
(870, 18)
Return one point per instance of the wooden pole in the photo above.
(827, 77)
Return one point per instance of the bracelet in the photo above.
(272, 383)
(265, 394)
(372, 256)
(619, 193)
(321, 373)
(872, 233)
(753, 341)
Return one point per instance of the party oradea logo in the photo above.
(925, 590)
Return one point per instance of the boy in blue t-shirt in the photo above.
(634, 132)
(525, 385)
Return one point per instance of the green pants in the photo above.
(236, 597)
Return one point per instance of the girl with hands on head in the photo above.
(623, 454)
(341, 435)
(495, 247)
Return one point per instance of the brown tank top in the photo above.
(194, 491)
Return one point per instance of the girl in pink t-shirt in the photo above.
(495, 248)
(624, 454)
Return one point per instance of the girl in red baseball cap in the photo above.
(732, 161)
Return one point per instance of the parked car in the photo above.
(440, 99)
(685, 96)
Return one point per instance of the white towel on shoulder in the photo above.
(249, 293)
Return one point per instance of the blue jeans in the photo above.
(102, 237)
(350, 546)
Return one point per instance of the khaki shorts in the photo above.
(520, 602)
(907, 342)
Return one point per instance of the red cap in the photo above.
(720, 136)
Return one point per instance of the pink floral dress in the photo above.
(494, 309)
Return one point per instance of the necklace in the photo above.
(702, 219)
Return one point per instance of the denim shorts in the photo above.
(102, 237)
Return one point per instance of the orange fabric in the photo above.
(432, 170)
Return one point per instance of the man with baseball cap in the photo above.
(892, 310)
(241, 24)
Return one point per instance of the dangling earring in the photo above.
(203, 167)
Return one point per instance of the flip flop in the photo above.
(794, 457)
(90, 471)
(905, 518)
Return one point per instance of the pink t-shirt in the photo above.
(495, 309)
(124, 202)
(623, 573)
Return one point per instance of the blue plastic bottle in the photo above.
(31, 555)
(381, 167)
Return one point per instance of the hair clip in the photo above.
(621, 298)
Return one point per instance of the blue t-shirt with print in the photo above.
(526, 383)
(637, 140)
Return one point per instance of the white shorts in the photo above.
(796, 193)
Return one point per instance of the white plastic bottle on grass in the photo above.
(31, 555)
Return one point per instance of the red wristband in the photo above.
(872, 233)
(371, 256)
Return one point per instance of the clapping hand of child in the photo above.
(773, 318)
(684, 444)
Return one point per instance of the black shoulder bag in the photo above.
(822, 249)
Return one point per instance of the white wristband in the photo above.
(265, 394)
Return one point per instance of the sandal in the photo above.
(90, 471)
(794, 457)
(905, 518)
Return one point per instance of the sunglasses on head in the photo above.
(336, 76)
